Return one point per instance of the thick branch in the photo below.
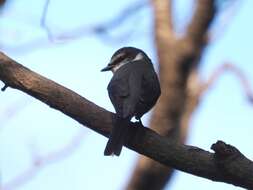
(227, 165)
(163, 18)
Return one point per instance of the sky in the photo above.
(30, 130)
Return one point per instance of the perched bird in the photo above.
(133, 91)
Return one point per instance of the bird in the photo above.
(133, 90)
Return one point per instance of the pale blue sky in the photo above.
(224, 113)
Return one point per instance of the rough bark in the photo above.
(178, 58)
(227, 164)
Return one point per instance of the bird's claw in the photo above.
(140, 123)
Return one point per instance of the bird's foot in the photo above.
(140, 123)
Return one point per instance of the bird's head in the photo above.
(123, 56)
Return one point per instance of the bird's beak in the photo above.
(111, 64)
(107, 68)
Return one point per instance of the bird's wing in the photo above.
(130, 102)
(124, 91)
(118, 91)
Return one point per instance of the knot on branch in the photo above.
(233, 164)
(225, 155)
(224, 151)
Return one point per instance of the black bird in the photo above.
(133, 91)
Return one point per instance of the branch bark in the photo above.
(227, 164)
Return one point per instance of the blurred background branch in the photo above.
(102, 30)
(40, 161)
(237, 72)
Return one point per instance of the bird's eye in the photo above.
(117, 59)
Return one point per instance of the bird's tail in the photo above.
(117, 137)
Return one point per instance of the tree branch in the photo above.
(163, 18)
(227, 164)
(226, 15)
(12, 110)
(201, 20)
(102, 30)
(228, 67)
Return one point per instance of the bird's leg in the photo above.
(140, 123)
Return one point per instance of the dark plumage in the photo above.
(133, 91)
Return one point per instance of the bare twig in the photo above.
(43, 23)
(4, 88)
(100, 29)
(12, 110)
(197, 89)
(228, 67)
(225, 16)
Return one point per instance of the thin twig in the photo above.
(12, 110)
(224, 17)
(99, 29)
(102, 30)
(40, 162)
(233, 69)
(43, 23)
(4, 87)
